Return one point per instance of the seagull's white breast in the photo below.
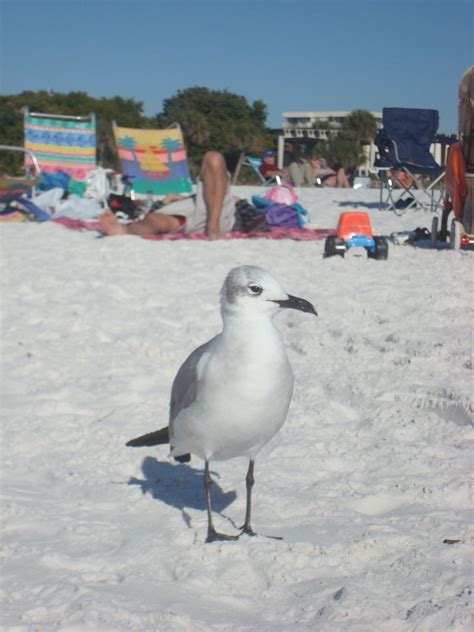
(244, 391)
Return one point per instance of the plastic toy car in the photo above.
(354, 230)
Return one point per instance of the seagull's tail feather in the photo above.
(184, 458)
(158, 437)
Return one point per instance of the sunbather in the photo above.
(328, 176)
(210, 211)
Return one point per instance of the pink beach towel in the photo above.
(296, 234)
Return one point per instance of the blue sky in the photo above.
(295, 55)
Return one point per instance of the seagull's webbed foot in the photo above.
(215, 536)
(247, 529)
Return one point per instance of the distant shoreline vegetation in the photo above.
(216, 120)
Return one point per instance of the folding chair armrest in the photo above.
(29, 153)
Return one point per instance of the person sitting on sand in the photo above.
(299, 169)
(268, 168)
(328, 176)
(210, 211)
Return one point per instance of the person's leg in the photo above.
(308, 174)
(342, 179)
(152, 224)
(215, 180)
(295, 174)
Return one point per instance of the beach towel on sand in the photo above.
(296, 234)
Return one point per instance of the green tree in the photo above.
(323, 125)
(346, 148)
(217, 120)
(127, 113)
(340, 150)
(360, 126)
(210, 119)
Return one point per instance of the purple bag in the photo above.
(282, 215)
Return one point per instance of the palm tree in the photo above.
(360, 126)
(127, 142)
(170, 144)
(344, 151)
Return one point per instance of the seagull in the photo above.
(232, 394)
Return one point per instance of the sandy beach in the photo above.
(368, 482)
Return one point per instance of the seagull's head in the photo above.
(251, 291)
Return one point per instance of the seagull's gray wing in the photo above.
(184, 389)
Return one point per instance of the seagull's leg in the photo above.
(212, 534)
(249, 481)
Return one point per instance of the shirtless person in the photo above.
(210, 211)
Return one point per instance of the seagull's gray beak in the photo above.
(293, 302)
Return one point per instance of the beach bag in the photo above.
(97, 184)
(282, 216)
(281, 194)
(124, 205)
(281, 207)
(248, 219)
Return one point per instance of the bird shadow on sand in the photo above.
(180, 486)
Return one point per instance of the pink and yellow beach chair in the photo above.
(153, 161)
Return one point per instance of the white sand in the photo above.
(369, 475)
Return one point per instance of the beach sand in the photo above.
(368, 482)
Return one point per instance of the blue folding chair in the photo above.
(405, 163)
(254, 163)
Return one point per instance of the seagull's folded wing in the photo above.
(185, 385)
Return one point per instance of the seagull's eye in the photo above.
(255, 290)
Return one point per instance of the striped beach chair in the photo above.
(154, 161)
(12, 188)
(61, 142)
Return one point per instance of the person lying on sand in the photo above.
(210, 211)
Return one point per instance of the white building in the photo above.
(300, 125)
(304, 121)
